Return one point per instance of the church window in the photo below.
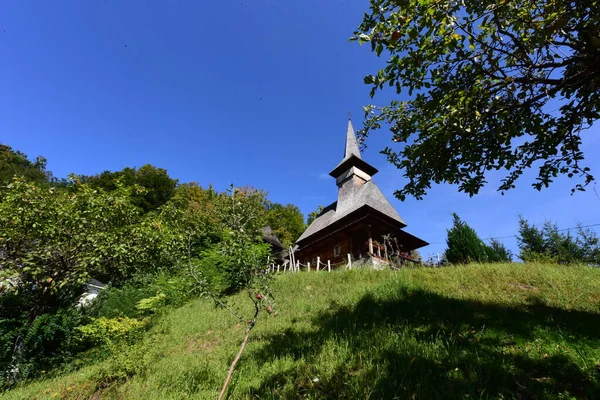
(337, 250)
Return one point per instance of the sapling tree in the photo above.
(244, 256)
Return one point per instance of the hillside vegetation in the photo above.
(476, 331)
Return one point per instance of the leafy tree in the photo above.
(110, 180)
(159, 186)
(464, 246)
(14, 163)
(314, 214)
(202, 209)
(286, 221)
(53, 240)
(242, 248)
(492, 85)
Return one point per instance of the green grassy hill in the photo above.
(478, 331)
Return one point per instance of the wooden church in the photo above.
(361, 225)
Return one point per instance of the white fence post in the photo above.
(318, 263)
(349, 261)
(328, 266)
(308, 266)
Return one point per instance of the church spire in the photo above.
(352, 157)
(351, 143)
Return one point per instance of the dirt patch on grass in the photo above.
(523, 286)
(72, 391)
(204, 342)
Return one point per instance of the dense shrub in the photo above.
(119, 302)
(128, 360)
(102, 331)
(151, 305)
(174, 288)
(30, 349)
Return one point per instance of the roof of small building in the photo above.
(270, 237)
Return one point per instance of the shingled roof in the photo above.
(367, 195)
(270, 237)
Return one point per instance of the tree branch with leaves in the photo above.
(506, 85)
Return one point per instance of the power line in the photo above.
(514, 236)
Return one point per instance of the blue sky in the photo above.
(245, 92)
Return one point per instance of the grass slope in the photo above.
(477, 331)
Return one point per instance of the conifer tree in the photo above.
(464, 245)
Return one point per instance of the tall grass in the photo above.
(476, 331)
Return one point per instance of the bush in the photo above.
(28, 350)
(151, 305)
(127, 361)
(103, 331)
(119, 303)
(113, 302)
(178, 288)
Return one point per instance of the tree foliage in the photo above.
(287, 222)
(53, 240)
(492, 85)
(550, 244)
(159, 186)
(15, 163)
(244, 255)
(134, 229)
(314, 214)
(242, 252)
(499, 252)
(464, 246)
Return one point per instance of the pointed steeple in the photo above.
(352, 157)
(351, 143)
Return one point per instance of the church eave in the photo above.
(347, 220)
(353, 161)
